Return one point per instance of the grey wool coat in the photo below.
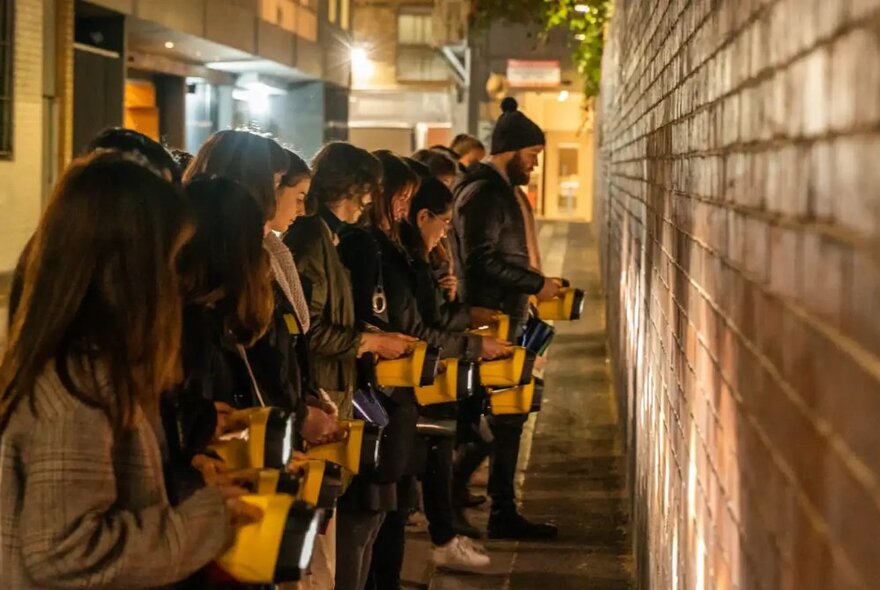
(82, 507)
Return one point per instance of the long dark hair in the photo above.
(342, 171)
(224, 264)
(397, 177)
(100, 297)
(432, 196)
(297, 169)
(250, 159)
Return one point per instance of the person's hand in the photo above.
(550, 289)
(449, 284)
(213, 470)
(540, 364)
(387, 345)
(318, 425)
(240, 512)
(326, 403)
(217, 476)
(493, 348)
(296, 465)
(224, 411)
(483, 316)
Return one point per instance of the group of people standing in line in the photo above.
(161, 292)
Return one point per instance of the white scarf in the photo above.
(287, 277)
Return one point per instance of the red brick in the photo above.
(857, 183)
(826, 265)
(862, 293)
(854, 80)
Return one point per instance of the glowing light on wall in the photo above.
(361, 64)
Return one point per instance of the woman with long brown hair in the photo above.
(94, 343)
(256, 162)
(345, 177)
(275, 179)
(370, 251)
(228, 290)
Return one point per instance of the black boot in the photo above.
(461, 526)
(512, 525)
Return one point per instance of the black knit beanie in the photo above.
(514, 131)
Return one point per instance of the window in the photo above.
(7, 42)
(414, 26)
(332, 10)
(345, 14)
(420, 64)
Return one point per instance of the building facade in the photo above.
(192, 68)
(407, 92)
(175, 70)
(32, 98)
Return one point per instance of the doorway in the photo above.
(568, 176)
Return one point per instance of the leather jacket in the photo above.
(491, 234)
(333, 339)
(405, 281)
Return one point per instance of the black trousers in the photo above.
(437, 488)
(356, 533)
(507, 432)
(388, 555)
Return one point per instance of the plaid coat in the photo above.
(82, 508)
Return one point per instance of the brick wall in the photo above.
(738, 196)
(21, 182)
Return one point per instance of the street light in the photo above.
(361, 64)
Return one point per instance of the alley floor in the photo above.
(572, 468)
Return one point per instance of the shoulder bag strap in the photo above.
(247, 364)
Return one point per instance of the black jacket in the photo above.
(276, 357)
(333, 339)
(407, 281)
(449, 316)
(213, 372)
(491, 234)
(389, 488)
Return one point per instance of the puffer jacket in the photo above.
(492, 244)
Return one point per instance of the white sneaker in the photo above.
(478, 547)
(459, 555)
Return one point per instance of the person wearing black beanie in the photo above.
(490, 224)
(514, 131)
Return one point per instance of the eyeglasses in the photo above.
(447, 221)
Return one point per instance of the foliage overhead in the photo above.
(584, 19)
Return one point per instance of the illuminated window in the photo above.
(345, 14)
(420, 64)
(7, 42)
(414, 26)
(332, 10)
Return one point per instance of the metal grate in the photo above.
(7, 46)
